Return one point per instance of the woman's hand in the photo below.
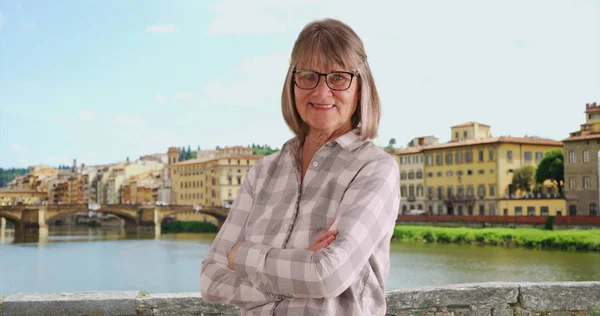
(324, 239)
(231, 255)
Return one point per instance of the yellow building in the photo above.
(472, 174)
(412, 167)
(212, 182)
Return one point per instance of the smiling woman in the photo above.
(309, 231)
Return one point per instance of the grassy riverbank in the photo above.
(188, 227)
(572, 240)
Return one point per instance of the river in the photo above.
(103, 259)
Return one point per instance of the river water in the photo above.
(104, 259)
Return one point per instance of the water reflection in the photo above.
(101, 259)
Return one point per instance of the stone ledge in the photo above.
(480, 299)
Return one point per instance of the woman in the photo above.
(309, 231)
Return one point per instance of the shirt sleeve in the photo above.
(366, 215)
(218, 283)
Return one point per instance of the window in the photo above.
(572, 183)
(411, 175)
(505, 212)
(439, 174)
(465, 134)
(440, 193)
(586, 156)
(430, 209)
(572, 210)
(468, 156)
(480, 171)
(492, 208)
(403, 160)
(419, 159)
(491, 154)
(449, 193)
(429, 192)
(481, 209)
(518, 211)
(403, 176)
(449, 174)
(439, 160)
(480, 156)
(492, 190)
(456, 135)
(593, 209)
(528, 156)
(459, 156)
(449, 158)
(459, 173)
(239, 178)
(411, 190)
(470, 191)
(544, 210)
(403, 191)
(419, 175)
(411, 160)
(571, 157)
(429, 160)
(509, 156)
(538, 156)
(419, 191)
(531, 211)
(481, 191)
(430, 175)
(469, 172)
(491, 171)
(230, 180)
(440, 209)
(460, 210)
(460, 191)
(586, 182)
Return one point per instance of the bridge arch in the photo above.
(129, 219)
(10, 217)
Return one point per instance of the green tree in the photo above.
(392, 142)
(552, 168)
(523, 178)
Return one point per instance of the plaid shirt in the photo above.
(348, 180)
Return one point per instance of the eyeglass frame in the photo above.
(319, 74)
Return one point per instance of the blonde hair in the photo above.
(327, 43)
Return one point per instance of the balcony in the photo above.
(411, 198)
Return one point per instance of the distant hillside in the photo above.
(263, 150)
(7, 175)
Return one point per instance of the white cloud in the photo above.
(185, 96)
(255, 75)
(162, 28)
(85, 115)
(132, 122)
(15, 147)
(2, 20)
(160, 98)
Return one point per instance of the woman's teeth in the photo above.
(322, 106)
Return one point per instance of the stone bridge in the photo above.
(482, 299)
(34, 219)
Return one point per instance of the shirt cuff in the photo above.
(250, 260)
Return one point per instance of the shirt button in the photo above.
(315, 164)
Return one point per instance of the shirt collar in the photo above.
(349, 141)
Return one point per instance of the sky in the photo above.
(100, 81)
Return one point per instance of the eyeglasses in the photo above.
(309, 79)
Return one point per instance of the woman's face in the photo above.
(323, 109)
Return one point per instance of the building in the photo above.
(581, 152)
(472, 174)
(213, 182)
(412, 181)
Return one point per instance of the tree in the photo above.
(552, 168)
(392, 142)
(523, 178)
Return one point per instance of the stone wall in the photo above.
(484, 299)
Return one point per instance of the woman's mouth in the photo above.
(322, 107)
